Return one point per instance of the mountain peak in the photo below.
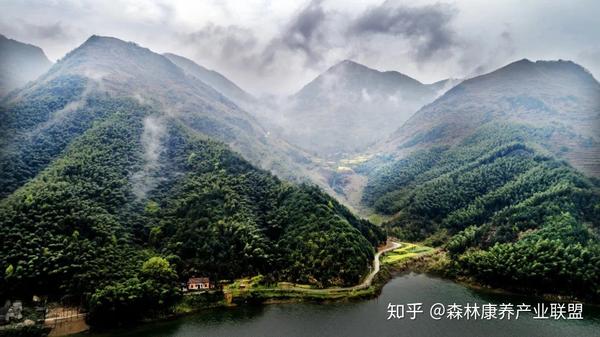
(349, 63)
(349, 66)
(351, 105)
(541, 65)
(96, 41)
(540, 93)
(19, 63)
(104, 56)
(357, 71)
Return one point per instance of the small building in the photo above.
(198, 283)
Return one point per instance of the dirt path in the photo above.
(376, 265)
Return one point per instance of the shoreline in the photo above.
(421, 264)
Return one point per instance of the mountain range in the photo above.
(117, 154)
(124, 69)
(501, 171)
(558, 95)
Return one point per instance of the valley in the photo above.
(126, 173)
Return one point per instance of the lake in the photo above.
(369, 317)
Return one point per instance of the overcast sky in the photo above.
(277, 46)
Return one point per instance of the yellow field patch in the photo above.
(407, 250)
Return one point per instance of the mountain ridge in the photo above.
(350, 106)
(566, 97)
(213, 78)
(20, 63)
(110, 66)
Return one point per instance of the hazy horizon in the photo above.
(277, 47)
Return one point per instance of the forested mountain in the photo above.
(498, 170)
(557, 94)
(41, 120)
(118, 182)
(19, 64)
(219, 82)
(350, 106)
(509, 213)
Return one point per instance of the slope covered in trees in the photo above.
(554, 94)
(508, 212)
(80, 225)
(38, 121)
(219, 82)
(111, 198)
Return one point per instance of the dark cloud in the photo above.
(314, 38)
(304, 32)
(313, 33)
(304, 35)
(426, 28)
(55, 31)
(229, 44)
(50, 32)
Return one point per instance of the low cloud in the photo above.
(56, 31)
(590, 59)
(224, 42)
(146, 179)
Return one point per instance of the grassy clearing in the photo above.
(406, 251)
(254, 288)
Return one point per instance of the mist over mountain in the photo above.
(351, 106)
(499, 168)
(19, 64)
(558, 95)
(214, 79)
(442, 86)
(116, 153)
(109, 66)
(298, 161)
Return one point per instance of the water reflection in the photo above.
(369, 318)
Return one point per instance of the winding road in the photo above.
(376, 266)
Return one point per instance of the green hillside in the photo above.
(508, 212)
(81, 228)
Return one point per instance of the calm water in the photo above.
(369, 317)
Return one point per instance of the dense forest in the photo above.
(508, 212)
(122, 175)
(98, 218)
